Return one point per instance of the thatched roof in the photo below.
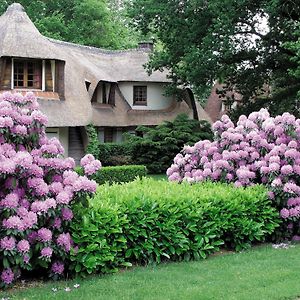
(113, 65)
(20, 38)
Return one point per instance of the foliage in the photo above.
(159, 145)
(37, 187)
(259, 149)
(88, 22)
(115, 154)
(93, 142)
(149, 221)
(118, 174)
(244, 44)
(111, 154)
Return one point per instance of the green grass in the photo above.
(158, 176)
(260, 273)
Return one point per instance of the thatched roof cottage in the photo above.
(77, 85)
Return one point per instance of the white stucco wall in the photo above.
(62, 133)
(155, 95)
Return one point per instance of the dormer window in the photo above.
(104, 93)
(140, 95)
(27, 74)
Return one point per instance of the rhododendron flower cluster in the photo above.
(258, 149)
(37, 187)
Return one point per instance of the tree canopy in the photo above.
(225, 40)
(98, 23)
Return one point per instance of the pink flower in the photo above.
(8, 243)
(87, 159)
(44, 235)
(57, 268)
(67, 214)
(10, 201)
(64, 241)
(46, 252)
(287, 169)
(23, 246)
(63, 198)
(7, 276)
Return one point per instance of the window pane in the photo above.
(28, 74)
(140, 95)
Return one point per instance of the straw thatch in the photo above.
(20, 38)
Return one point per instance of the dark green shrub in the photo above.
(158, 146)
(149, 221)
(115, 154)
(110, 154)
(117, 174)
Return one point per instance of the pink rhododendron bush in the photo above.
(37, 187)
(258, 149)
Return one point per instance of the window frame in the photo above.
(140, 96)
(24, 76)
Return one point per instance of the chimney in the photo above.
(146, 45)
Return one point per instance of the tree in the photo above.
(204, 41)
(155, 147)
(88, 22)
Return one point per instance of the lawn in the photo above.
(158, 176)
(260, 273)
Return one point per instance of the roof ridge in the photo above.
(95, 49)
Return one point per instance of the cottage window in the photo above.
(140, 95)
(104, 93)
(108, 135)
(27, 74)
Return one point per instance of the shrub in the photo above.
(160, 144)
(93, 142)
(111, 154)
(118, 174)
(115, 154)
(259, 149)
(149, 221)
(37, 188)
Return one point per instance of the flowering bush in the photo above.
(37, 188)
(258, 149)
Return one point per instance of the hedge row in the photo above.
(117, 174)
(149, 221)
(115, 154)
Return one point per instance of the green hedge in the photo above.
(115, 154)
(117, 174)
(149, 221)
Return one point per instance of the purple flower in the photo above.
(57, 268)
(67, 214)
(10, 201)
(44, 235)
(8, 243)
(7, 276)
(284, 213)
(13, 222)
(23, 246)
(87, 159)
(46, 252)
(57, 223)
(64, 241)
(63, 198)
(26, 259)
(287, 169)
